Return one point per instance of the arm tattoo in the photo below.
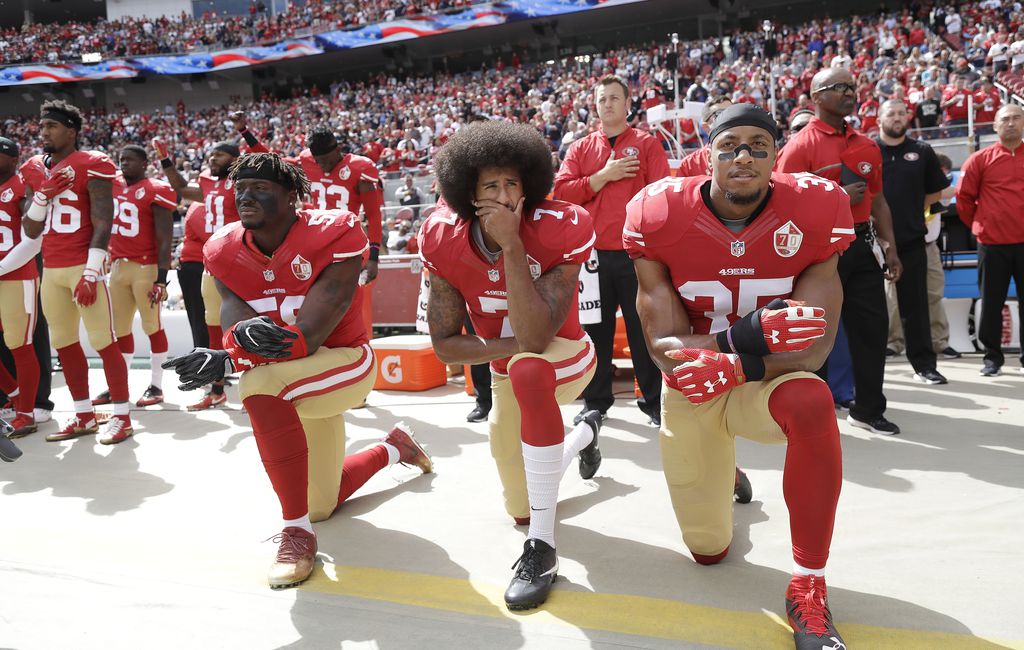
(558, 288)
(446, 308)
(101, 210)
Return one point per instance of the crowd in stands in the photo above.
(128, 37)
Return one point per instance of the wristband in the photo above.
(161, 276)
(249, 138)
(753, 367)
(374, 254)
(37, 211)
(166, 163)
(96, 258)
(724, 340)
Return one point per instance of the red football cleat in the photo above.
(82, 424)
(809, 615)
(296, 556)
(23, 425)
(209, 401)
(101, 399)
(152, 396)
(117, 429)
(410, 451)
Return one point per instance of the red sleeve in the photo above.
(792, 158)
(372, 202)
(348, 240)
(842, 234)
(101, 166)
(570, 183)
(579, 236)
(657, 162)
(164, 196)
(968, 189)
(633, 230)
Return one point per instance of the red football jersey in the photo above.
(133, 235)
(554, 233)
(338, 190)
(12, 193)
(277, 286)
(195, 233)
(720, 275)
(957, 110)
(68, 231)
(219, 201)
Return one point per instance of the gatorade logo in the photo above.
(391, 369)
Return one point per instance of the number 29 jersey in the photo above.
(133, 235)
(276, 286)
(553, 233)
(720, 275)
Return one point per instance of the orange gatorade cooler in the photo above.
(407, 363)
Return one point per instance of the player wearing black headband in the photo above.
(288, 281)
(78, 222)
(216, 191)
(739, 298)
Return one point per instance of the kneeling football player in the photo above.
(500, 250)
(740, 299)
(287, 279)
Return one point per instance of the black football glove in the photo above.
(200, 367)
(263, 337)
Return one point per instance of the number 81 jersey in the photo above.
(720, 275)
(68, 230)
(276, 286)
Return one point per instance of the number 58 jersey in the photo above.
(276, 286)
(720, 275)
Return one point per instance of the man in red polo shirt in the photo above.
(601, 173)
(990, 199)
(830, 148)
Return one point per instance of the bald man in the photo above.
(990, 199)
(829, 147)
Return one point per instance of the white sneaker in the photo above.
(7, 413)
(42, 415)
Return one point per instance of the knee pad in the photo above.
(708, 560)
(803, 408)
(531, 376)
(533, 382)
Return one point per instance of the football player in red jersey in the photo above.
(19, 284)
(288, 281)
(737, 327)
(190, 272)
(140, 247)
(77, 231)
(217, 194)
(499, 250)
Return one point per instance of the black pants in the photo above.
(617, 279)
(190, 275)
(866, 321)
(997, 263)
(912, 296)
(41, 343)
(481, 375)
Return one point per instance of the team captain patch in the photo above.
(787, 239)
(301, 267)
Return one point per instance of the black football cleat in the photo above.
(9, 451)
(809, 615)
(478, 414)
(742, 489)
(535, 570)
(579, 416)
(590, 456)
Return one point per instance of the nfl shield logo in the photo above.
(301, 268)
(493, 275)
(268, 275)
(787, 240)
(738, 248)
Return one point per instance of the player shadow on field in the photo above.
(326, 620)
(109, 484)
(443, 441)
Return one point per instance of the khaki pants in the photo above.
(18, 311)
(936, 312)
(130, 284)
(211, 300)
(63, 314)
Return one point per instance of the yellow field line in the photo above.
(618, 613)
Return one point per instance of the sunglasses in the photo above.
(840, 87)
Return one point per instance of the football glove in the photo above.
(200, 367)
(56, 184)
(157, 294)
(779, 326)
(705, 375)
(260, 340)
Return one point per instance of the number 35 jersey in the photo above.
(69, 230)
(553, 233)
(277, 286)
(721, 275)
(133, 235)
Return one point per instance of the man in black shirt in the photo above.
(928, 111)
(912, 180)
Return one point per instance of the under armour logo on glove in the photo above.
(705, 374)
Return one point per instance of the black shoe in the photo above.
(9, 451)
(535, 570)
(742, 489)
(878, 425)
(991, 370)
(590, 456)
(478, 414)
(810, 616)
(932, 377)
(844, 404)
(890, 353)
(655, 419)
(582, 414)
(950, 353)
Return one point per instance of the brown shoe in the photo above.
(411, 452)
(296, 556)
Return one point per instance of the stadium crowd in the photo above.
(127, 37)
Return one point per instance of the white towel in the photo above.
(421, 304)
(590, 292)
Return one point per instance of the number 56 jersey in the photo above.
(277, 286)
(720, 275)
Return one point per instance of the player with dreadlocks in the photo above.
(287, 279)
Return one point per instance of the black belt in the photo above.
(861, 228)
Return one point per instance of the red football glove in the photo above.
(56, 184)
(160, 148)
(157, 294)
(705, 374)
(85, 290)
(792, 328)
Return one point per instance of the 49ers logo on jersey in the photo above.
(344, 173)
(787, 239)
(630, 151)
(865, 168)
(7, 196)
(139, 193)
(301, 268)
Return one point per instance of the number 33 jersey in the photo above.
(721, 275)
(68, 230)
(553, 233)
(277, 286)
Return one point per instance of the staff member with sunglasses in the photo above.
(831, 148)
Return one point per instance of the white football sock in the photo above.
(83, 406)
(393, 454)
(804, 571)
(581, 436)
(543, 473)
(302, 522)
(156, 373)
(128, 359)
(14, 393)
(121, 408)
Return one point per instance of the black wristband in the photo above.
(161, 276)
(249, 138)
(723, 342)
(753, 367)
(374, 253)
(166, 162)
